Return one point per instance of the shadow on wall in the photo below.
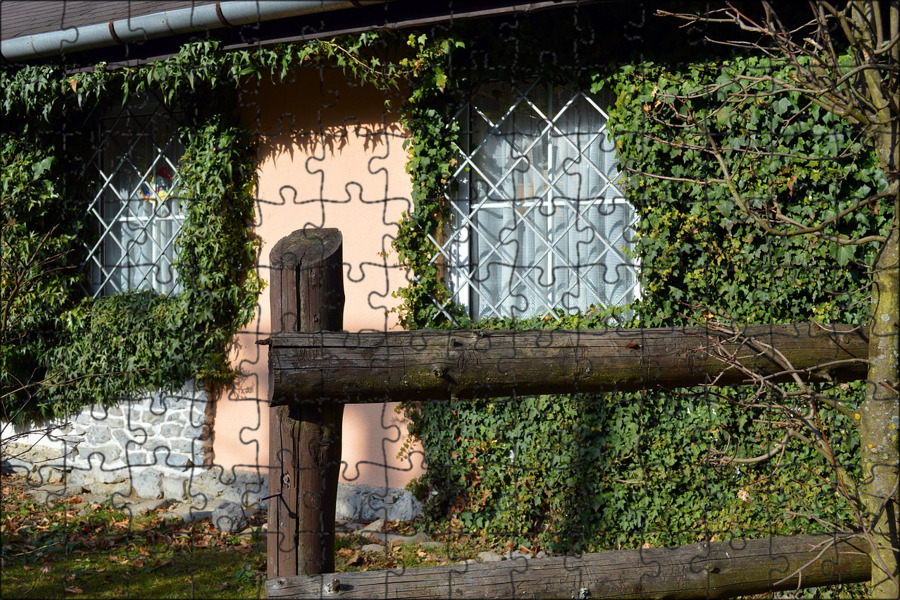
(315, 112)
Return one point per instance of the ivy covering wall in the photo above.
(571, 473)
(77, 350)
(62, 350)
(586, 473)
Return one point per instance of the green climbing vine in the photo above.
(585, 473)
(62, 350)
(78, 350)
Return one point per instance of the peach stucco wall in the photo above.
(329, 156)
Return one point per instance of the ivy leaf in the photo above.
(845, 254)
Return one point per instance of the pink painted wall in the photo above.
(328, 157)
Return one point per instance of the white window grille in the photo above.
(137, 208)
(537, 223)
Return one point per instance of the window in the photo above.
(137, 207)
(537, 221)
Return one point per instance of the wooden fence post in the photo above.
(307, 294)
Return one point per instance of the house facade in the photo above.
(536, 225)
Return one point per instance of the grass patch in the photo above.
(68, 548)
(349, 555)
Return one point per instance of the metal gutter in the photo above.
(461, 12)
(165, 24)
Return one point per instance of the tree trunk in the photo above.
(880, 420)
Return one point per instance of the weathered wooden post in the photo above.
(307, 294)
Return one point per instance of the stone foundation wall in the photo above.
(156, 447)
(149, 444)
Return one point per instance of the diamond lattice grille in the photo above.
(537, 221)
(137, 208)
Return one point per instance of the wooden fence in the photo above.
(315, 369)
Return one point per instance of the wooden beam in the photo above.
(704, 570)
(439, 365)
(304, 441)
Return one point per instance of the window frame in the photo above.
(128, 193)
(456, 246)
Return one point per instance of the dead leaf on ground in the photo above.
(74, 590)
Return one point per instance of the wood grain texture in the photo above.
(704, 570)
(304, 441)
(440, 365)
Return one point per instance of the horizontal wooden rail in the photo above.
(464, 364)
(704, 570)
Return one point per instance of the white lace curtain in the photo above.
(547, 223)
(137, 207)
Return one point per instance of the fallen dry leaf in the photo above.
(74, 590)
(161, 563)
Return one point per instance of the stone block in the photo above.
(102, 471)
(137, 458)
(119, 488)
(159, 405)
(386, 537)
(489, 557)
(147, 483)
(391, 504)
(209, 484)
(145, 506)
(182, 445)
(173, 459)
(78, 478)
(374, 526)
(51, 473)
(15, 465)
(177, 415)
(432, 545)
(350, 499)
(229, 517)
(114, 411)
(137, 436)
(35, 456)
(174, 488)
(171, 430)
(97, 434)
